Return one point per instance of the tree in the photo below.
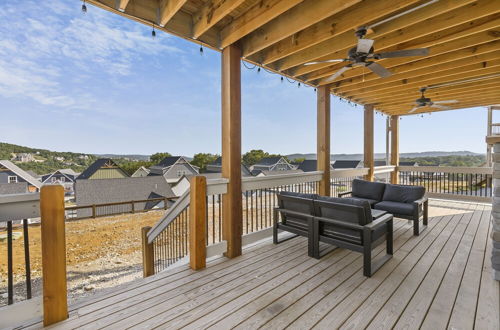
(202, 159)
(254, 156)
(298, 160)
(158, 157)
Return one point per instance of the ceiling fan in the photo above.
(363, 55)
(423, 101)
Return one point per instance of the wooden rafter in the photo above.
(168, 8)
(211, 13)
(122, 4)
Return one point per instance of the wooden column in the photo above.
(55, 302)
(232, 213)
(197, 223)
(368, 144)
(323, 138)
(395, 148)
(148, 267)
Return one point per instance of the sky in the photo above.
(99, 83)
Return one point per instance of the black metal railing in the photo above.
(9, 226)
(453, 182)
(341, 185)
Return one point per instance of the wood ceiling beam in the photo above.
(423, 80)
(211, 13)
(261, 13)
(400, 29)
(465, 105)
(408, 98)
(168, 8)
(122, 5)
(296, 19)
(345, 21)
(453, 34)
(362, 98)
(414, 65)
(474, 36)
(438, 69)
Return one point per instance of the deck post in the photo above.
(323, 138)
(368, 142)
(232, 212)
(148, 263)
(55, 302)
(197, 224)
(395, 148)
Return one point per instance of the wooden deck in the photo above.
(440, 279)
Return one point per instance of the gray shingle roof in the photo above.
(89, 171)
(13, 188)
(20, 172)
(168, 161)
(346, 164)
(268, 161)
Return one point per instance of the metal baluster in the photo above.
(10, 277)
(27, 258)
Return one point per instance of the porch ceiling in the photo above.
(462, 37)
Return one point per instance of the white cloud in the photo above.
(45, 45)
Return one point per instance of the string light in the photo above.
(282, 79)
(84, 7)
(201, 49)
(258, 69)
(153, 32)
(298, 86)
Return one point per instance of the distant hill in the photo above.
(424, 154)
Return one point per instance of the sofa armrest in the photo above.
(421, 201)
(375, 224)
(339, 223)
(293, 213)
(344, 193)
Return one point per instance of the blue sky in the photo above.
(98, 83)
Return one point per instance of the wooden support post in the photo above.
(323, 138)
(395, 148)
(148, 263)
(232, 212)
(368, 145)
(55, 302)
(197, 225)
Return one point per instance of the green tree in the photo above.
(298, 160)
(158, 157)
(203, 159)
(252, 157)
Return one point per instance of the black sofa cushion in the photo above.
(402, 193)
(368, 189)
(371, 201)
(341, 215)
(296, 194)
(396, 207)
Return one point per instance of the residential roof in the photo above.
(95, 166)
(69, 171)
(20, 172)
(274, 173)
(168, 161)
(120, 190)
(309, 165)
(13, 188)
(139, 170)
(216, 167)
(346, 164)
(268, 161)
(408, 163)
(380, 162)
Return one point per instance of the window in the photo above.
(53, 179)
(12, 179)
(62, 179)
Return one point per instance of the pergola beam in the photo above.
(122, 4)
(332, 26)
(168, 8)
(394, 129)
(211, 13)
(296, 19)
(368, 154)
(261, 13)
(482, 103)
(323, 138)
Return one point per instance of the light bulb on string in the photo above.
(282, 79)
(258, 69)
(298, 86)
(84, 7)
(153, 32)
(201, 49)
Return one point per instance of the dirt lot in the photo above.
(101, 253)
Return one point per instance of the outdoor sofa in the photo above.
(343, 222)
(402, 201)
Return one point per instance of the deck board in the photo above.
(439, 279)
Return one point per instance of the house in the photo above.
(408, 164)
(310, 165)
(103, 168)
(89, 192)
(277, 163)
(65, 177)
(216, 167)
(181, 186)
(23, 158)
(141, 172)
(13, 188)
(173, 169)
(11, 173)
(341, 164)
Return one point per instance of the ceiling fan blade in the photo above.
(442, 107)
(379, 69)
(403, 53)
(338, 73)
(327, 61)
(446, 102)
(413, 110)
(364, 45)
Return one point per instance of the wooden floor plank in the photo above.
(366, 307)
(426, 279)
(487, 315)
(339, 304)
